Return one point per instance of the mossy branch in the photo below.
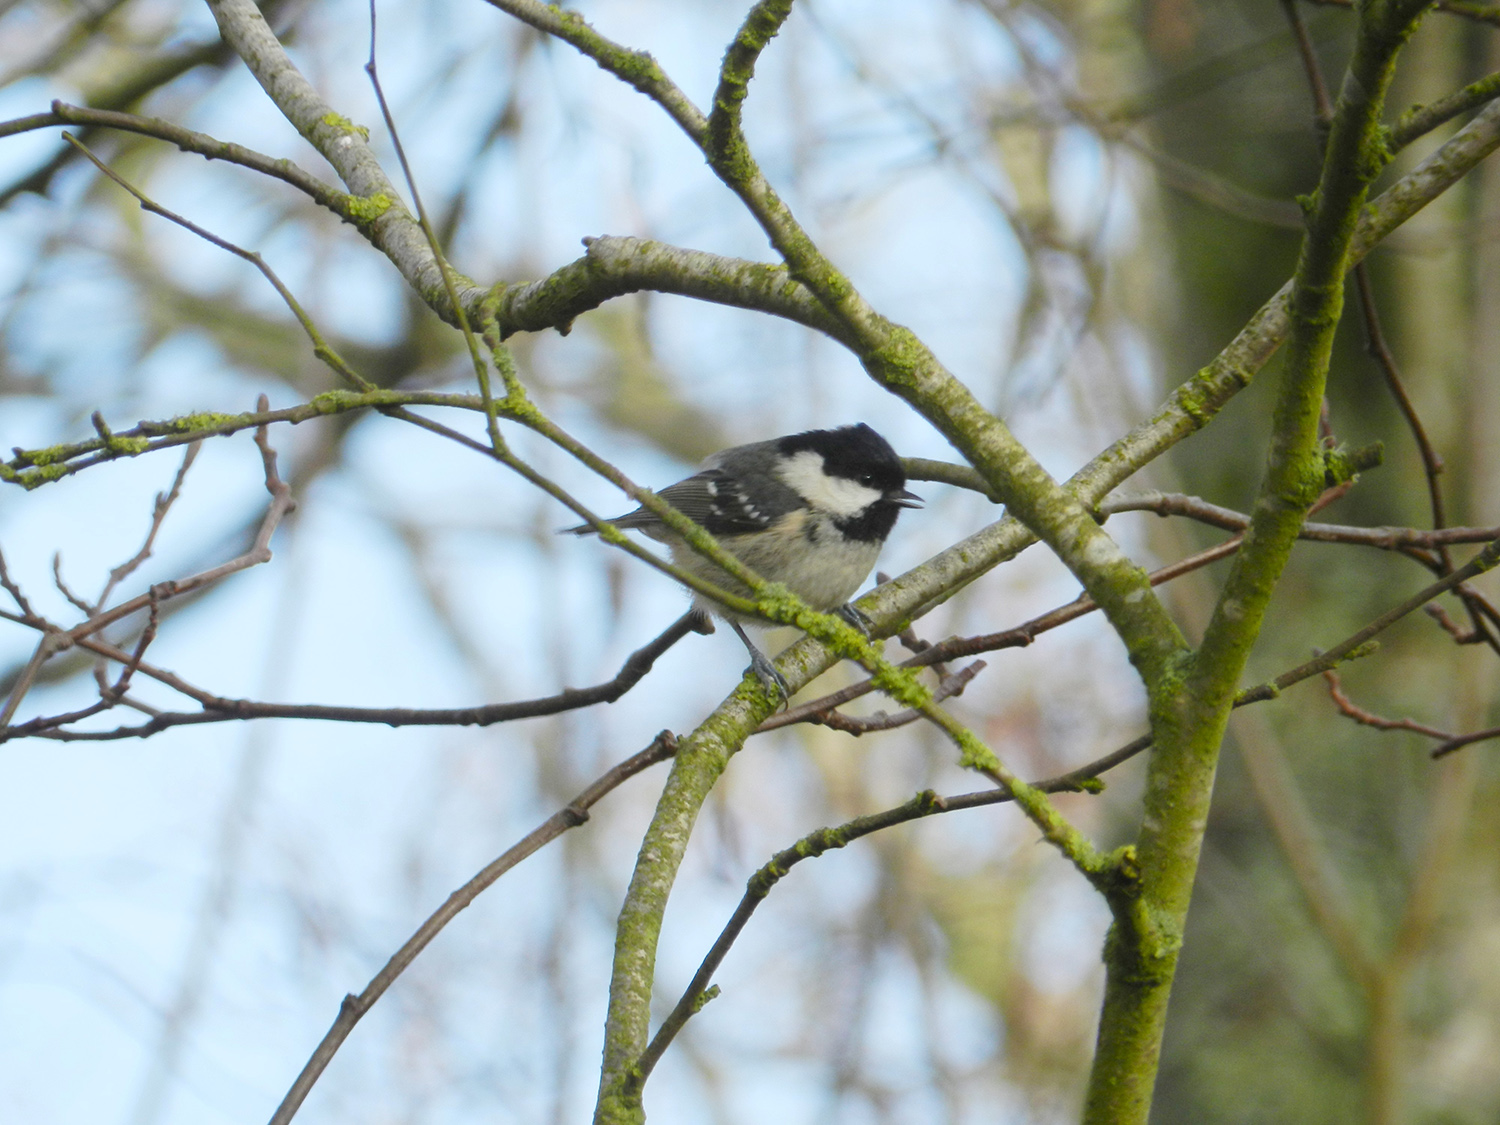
(636, 69)
(1188, 723)
(385, 220)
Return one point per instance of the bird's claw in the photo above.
(768, 674)
(855, 617)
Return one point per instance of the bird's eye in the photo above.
(867, 479)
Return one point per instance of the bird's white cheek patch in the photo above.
(836, 495)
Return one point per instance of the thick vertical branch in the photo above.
(1141, 956)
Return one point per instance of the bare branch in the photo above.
(64, 589)
(188, 141)
(219, 709)
(51, 643)
(1462, 740)
(116, 691)
(353, 1009)
(27, 613)
(1385, 538)
(1448, 744)
(163, 505)
(1353, 711)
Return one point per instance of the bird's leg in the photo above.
(762, 665)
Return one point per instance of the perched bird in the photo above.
(809, 510)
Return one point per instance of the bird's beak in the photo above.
(905, 499)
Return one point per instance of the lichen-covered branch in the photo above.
(613, 266)
(635, 68)
(382, 216)
(1188, 723)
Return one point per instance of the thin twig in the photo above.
(450, 284)
(1463, 740)
(8, 584)
(1322, 103)
(1432, 462)
(43, 723)
(607, 531)
(1352, 710)
(116, 691)
(321, 347)
(1448, 744)
(64, 589)
(1227, 519)
(163, 505)
(354, 1007)
(949, 685)
(188, 141)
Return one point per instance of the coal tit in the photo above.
(809, 510)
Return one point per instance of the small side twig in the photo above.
(1322, 103)
(1424, 118)
(8, 584)
(321, 347)
(159, 510)
(1448, 744)
(1352, 710)
(116, 691)
(1459, 742)
(445, 269)
(64, 589)
(950, 685)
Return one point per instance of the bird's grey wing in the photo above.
(711, 498)
(714, 499)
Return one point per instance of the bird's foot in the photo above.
(761, 665)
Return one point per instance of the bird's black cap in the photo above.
(854, 452)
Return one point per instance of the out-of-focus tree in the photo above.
(1074, 206)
